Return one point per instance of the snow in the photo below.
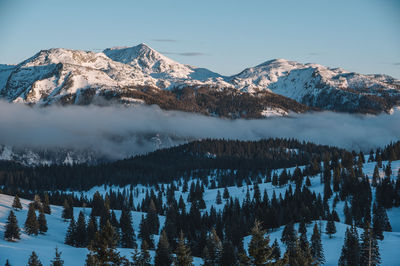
(51, 74)
(271, 112)
(18, 252)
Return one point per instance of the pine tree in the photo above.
(260, 253)
(226, 195)
(152, 218)
(276, 250)
(31, 223)
(303, 235)
(380, 221)
(213, 249)
(91, 228)
(289, 236)
(34, 260)
(37, 203)
(80, 233)
(103, 248)
(351, 248)
(317, 251)
(218, 199)
(298, 256)
(375, 176)
(330, 226)
(57, 261)
(46, 204)
(141, 258)
(17, 203)
(163, 252)
(127, 232)
(70, 235)
(369, 248)
(12, 231)
(7, 263)
(42, 222)
(228, 254)
(183, 256)
(68, 211)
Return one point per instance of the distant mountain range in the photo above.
(141, 75)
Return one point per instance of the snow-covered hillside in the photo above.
(18, 252)
(80, 77)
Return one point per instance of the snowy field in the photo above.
(43, 245)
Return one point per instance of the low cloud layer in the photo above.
(119, 131)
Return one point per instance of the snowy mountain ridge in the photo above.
(79, 77)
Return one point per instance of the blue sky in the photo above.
(224, 36)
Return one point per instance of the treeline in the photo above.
(194, 160)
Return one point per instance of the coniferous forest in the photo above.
(214, 200)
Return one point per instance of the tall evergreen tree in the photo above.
(380, 221)
(183, 256)
(34, 260)
(316, 246)
(68, 211)
(152, 218)
(330, 226)
(289, 236)
(351, 248)
(213, 249)
(80, 231)
(12, 231)
(71, 233)
(57, 261)
(276, 250)
(163, 252)
(46, 204)
(127, 233)
(228, 254)
(31, 222)
(260, 253)
(103, 248)
(369, 248)
(42, 222)
(17, 203)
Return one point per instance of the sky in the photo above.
(223, 36)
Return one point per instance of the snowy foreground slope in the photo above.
(43, 245)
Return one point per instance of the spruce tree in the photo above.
(330, 226)
(289, 236)
(163, 252)
(213, 249)
(103, 248)
(57, 261)
(17, 203)
(218, 199)
(127, 232)
(12, 231)
(34, 260)
(228, 254)
(317, 251)
(70, 235)
(351, 248)
(260, 253)
(152, 218)
(42, 222)
(183, 256)
(380, 221)
(68, 211)
(142, 257)
(46, 204)
(276, 250)
(7, 263)
(31, 222)
(80, 233)
(369, 248)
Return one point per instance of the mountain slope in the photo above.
(80, 77)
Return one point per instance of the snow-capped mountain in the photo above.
(81, 77)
